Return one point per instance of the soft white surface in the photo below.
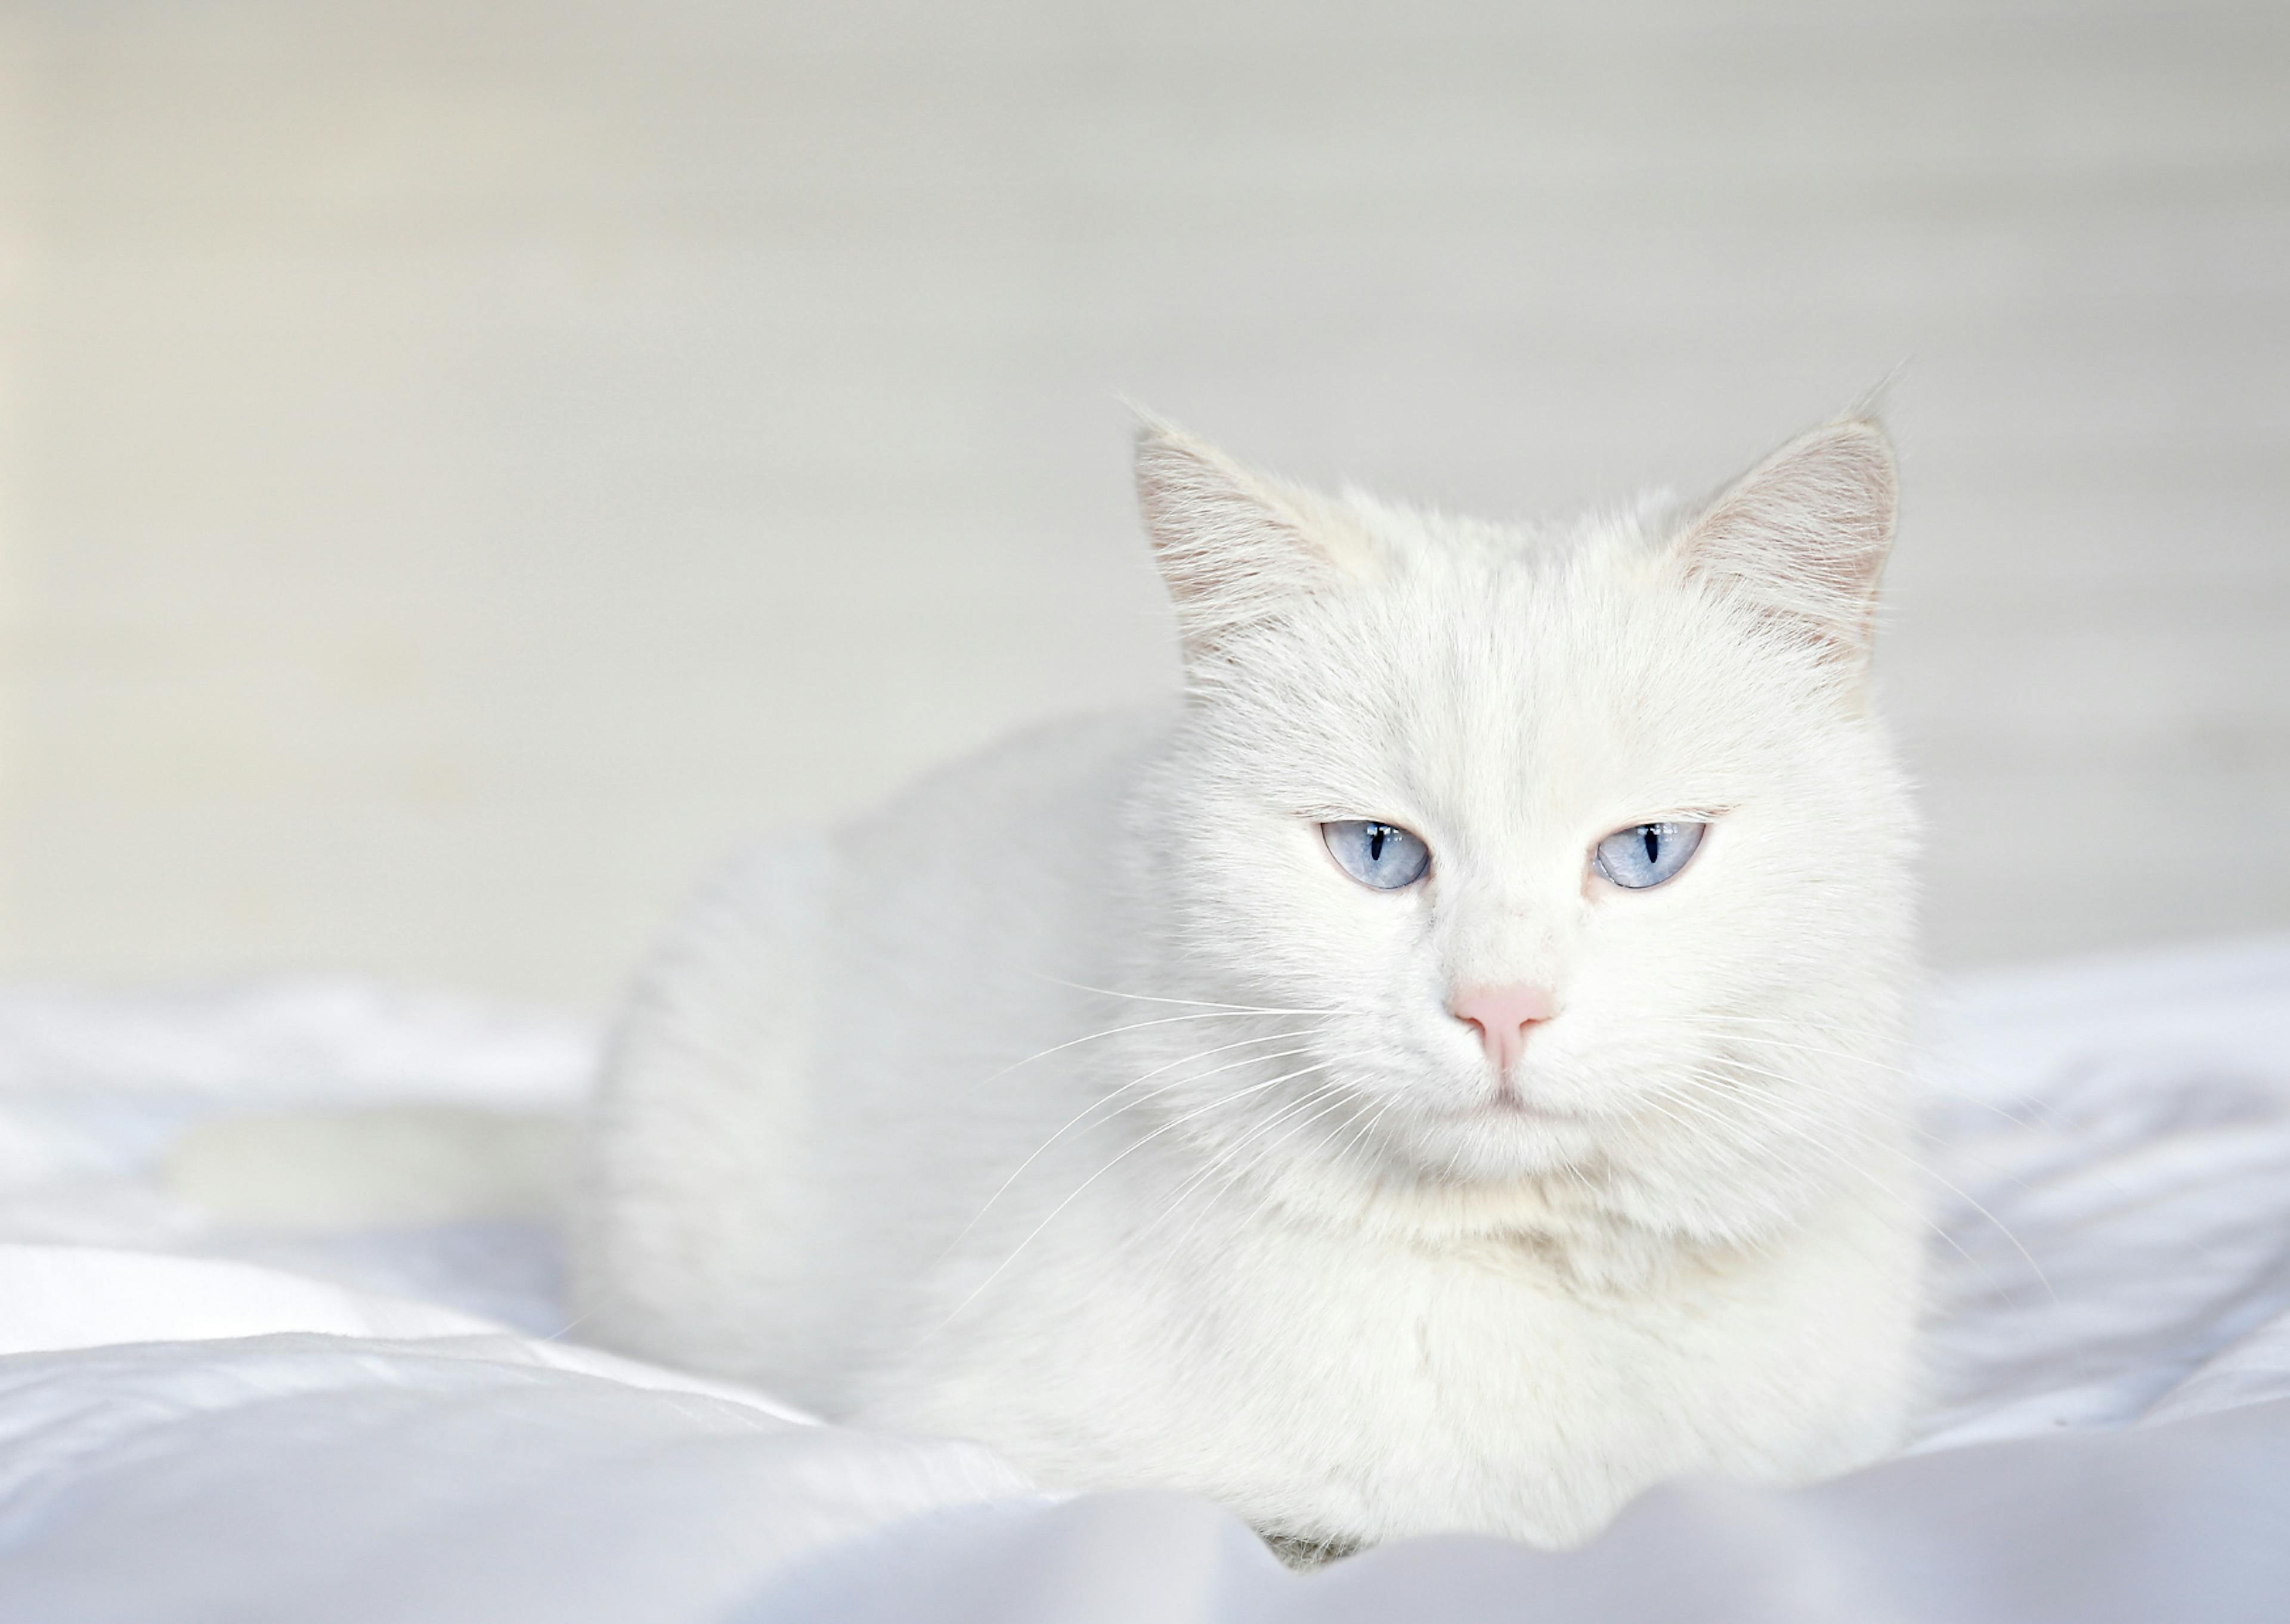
(190, 1437)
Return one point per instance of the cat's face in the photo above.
(1706, 1038)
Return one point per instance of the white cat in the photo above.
(1442, 1075)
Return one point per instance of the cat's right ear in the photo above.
(1237, 548)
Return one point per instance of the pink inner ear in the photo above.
(1803, 536)
(1234, 545)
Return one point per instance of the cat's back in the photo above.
(818, 1028)
(972, 863)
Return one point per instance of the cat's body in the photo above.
(1080, 1102)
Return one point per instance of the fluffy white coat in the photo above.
(1079, 1102)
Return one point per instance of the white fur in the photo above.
(1242, 1223)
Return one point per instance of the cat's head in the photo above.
(1571, 852)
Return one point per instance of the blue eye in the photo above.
(1647, 854)
(1382, 855)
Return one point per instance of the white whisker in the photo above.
(1774, 1121)
(1173, 1124)
(1234, 1174)
(1103, 1099)
(1224, 1157)
(1090, 1037)
(1238, 1008)
(1708, 1115)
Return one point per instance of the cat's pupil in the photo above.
(1653, 838)
(1375, 842)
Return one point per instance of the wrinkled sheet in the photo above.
(202, 1423)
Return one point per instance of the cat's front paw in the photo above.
(1305, 1552)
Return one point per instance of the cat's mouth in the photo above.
(1509, 1104)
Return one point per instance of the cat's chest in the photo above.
(1421, 1337)
(1479, 1391)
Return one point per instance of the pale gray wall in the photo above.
(462, 467)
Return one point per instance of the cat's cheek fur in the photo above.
(874, 1134)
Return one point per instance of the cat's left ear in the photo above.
(1803, 536)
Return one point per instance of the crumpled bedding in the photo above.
(202, 1422)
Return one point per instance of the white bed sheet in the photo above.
(196, 1424)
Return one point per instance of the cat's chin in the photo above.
(1499, 1140)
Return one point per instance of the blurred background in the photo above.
(465, 468)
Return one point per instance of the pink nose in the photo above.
(1502, 1015)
